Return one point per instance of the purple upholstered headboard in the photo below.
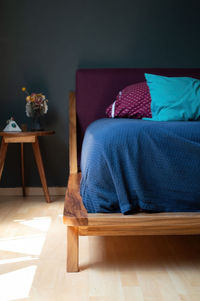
(97, 88)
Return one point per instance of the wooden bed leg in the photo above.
(72, 249)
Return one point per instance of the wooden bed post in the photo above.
(72, 232)
(72, 249)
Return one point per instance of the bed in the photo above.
(96, 89)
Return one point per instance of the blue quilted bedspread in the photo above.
(128, 165)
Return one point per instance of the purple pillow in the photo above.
(133, 101)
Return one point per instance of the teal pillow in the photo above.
(173, 98)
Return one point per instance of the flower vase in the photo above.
(37, 123)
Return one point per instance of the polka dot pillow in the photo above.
(132, 102)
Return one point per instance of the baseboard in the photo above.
(32, 191)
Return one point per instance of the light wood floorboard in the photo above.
(33, 260)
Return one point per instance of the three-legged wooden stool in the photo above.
(25, 137)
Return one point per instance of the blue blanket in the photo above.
(128, 165)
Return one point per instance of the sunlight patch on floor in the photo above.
(39, 223)
(29, 244)
(18, 259)
(17, 284)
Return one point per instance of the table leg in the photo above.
(22, 169)
(3, 151)
(38, 159)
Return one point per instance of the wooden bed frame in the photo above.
(81, 223)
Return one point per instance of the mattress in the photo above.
(131, 165)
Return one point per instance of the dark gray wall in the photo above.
(44, 42)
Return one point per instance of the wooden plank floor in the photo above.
(32, 260)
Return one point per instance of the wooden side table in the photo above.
(25, 137)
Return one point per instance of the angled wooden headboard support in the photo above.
(79, 222)
(73, 167)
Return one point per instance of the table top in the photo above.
(28, 133)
